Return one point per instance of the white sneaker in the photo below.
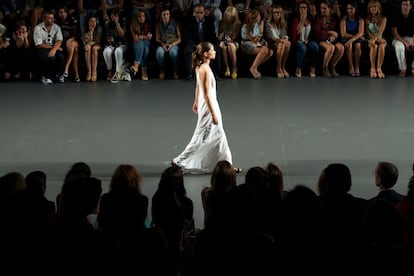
(61, 79)
(46, 81)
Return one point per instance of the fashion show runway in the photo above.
(302, 125)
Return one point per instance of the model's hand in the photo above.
(195, 107)
(215, 119)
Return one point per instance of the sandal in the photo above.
(227, 73)
(373, 74)
(380, 74)
(109, 76)
(401, 74)
(133, 70)
(255, 73)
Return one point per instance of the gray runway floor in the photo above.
(300, 124)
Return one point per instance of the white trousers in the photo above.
(400, 53)
(118, 52)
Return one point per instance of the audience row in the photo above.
(253, 227)
(321, 31)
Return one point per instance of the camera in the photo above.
(226, 40)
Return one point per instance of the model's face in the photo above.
(211, 54)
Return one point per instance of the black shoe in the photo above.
(189, 78)
(218, 78)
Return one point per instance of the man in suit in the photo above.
(201, 28)
(386, 176)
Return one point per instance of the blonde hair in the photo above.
(282, 23)
(378, 18)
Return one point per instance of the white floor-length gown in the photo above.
(209, 142)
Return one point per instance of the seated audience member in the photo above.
(402, 28)
(406, 209)
(352, 33)
(200, 28)
(326, 33)
(386, 176)
(172, 210)
(13, 12)
(5, 52)
(301, 36)
(375, 23)
(23, 57)
(47, 37)
(141, 40)
(253, 43)
(276, 35)
(71, 34)
(92, 46)
(168, 36)
(229, 36)
(86, 9)
(212, 9)
(116, 46)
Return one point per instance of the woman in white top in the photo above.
(374, 28)
(276, 35)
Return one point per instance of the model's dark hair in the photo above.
(197, 56)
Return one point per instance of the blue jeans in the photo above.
(301, 52)
(141, 50)
(172, 52)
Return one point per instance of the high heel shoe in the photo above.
(380, 74)
(88, 76)
(298, 73)
(286, 74)
(280, 75)
(133, 70)
(373, 74)
(255, 73)
(227, 73)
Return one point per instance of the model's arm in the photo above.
(205, 80)
(196, 93)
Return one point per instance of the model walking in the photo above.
(209, 142)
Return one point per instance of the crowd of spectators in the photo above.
(127, 39)
(256, 226)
